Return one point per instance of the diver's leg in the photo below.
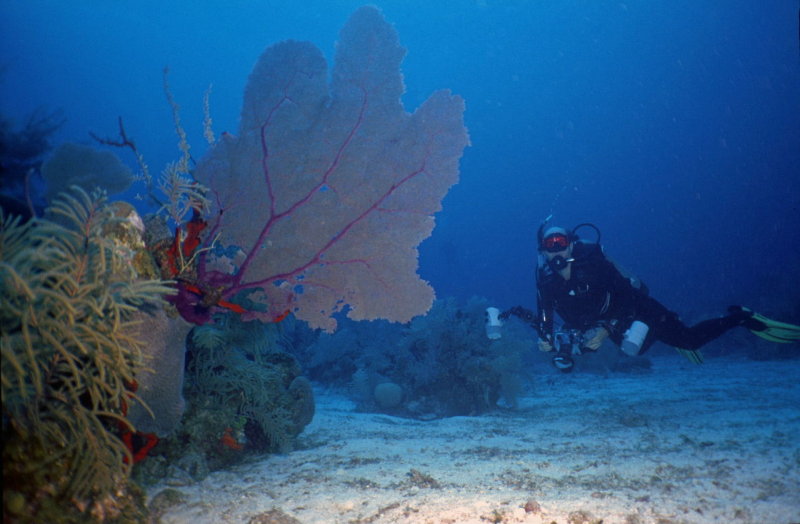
(674, 332)
(666, 326)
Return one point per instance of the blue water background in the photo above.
(674, 126)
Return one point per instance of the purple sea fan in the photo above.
(329, 190)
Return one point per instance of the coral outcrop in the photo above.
(87, 167)
(440, 364)
(245, 393)
(68, 304)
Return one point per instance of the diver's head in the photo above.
(556, 245)
(555, 240)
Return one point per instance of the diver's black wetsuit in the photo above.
(597, 294)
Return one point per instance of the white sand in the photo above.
(713, 443)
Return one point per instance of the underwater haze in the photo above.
(674, 126)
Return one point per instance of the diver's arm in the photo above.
(520, 312)
(623, 293)
(532, 319)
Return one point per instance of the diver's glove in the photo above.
(545, 345)
(593, 338)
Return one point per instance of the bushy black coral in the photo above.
(443, 363)
(21, 152)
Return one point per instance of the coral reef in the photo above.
(242, 367)
(87, 167)
(68, 301)
(321, 202)
(442, 363)
(245, 394)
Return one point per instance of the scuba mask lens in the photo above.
(555, 243)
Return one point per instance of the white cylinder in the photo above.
(634, 337)
(493, 323)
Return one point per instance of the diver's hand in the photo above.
(593, 338)
(545, 346)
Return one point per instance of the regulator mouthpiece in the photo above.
(558, 262)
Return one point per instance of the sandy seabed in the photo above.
(682, 443)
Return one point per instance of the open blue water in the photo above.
(674, 126)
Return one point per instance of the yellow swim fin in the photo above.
(772, 330)
(692, 355)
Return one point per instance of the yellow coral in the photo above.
(67, 303)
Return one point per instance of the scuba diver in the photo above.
(576, 280)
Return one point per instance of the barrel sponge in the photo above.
(161, 383)
(303, 405)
